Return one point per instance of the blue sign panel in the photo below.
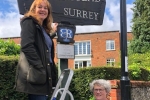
(65, 33)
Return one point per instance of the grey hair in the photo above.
(106, 84)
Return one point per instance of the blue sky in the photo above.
(8, 6)
(10, 26)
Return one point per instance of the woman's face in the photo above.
(99, 92)
(41, 11)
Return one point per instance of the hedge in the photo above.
(79, 86)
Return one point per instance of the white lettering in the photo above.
(66, 33)
(90, 15)
(73, 14)
(96, 14)
(90, 0)
(65, 11)
(81, 13)
(85, 14)
(82, 0)
(97, 0)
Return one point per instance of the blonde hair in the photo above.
(48, 21)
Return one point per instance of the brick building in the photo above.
(94, 49)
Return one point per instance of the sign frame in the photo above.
(75, 12)
(65, 51)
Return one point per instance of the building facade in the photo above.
(93, 49)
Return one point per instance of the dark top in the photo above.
(48, 43)
(36, 51)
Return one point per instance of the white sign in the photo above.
(126, 64)
(65, 51)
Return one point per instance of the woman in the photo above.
(101, 89)
(36, 72)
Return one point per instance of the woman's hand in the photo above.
(54, 26)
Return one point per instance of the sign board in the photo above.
(24, 5)
(65, 51)
(65, 33)
(76, 12)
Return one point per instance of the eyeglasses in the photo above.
(100, 90)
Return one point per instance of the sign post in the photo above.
(65, 48)
(69, 13)
(124, 81)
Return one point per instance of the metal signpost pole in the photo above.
(65, 49)
(63, 64)
(124, 81)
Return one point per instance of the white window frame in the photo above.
(80, 51)
(88, 62)
(109, 44)
(110, 62)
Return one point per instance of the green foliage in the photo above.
(7, 79)
(140, 60)
(92, 98)
(79, 86)
(135, 71)
(82, 77)
(8, 47)
(141, 27)
(138, 63)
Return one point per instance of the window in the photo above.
(82, 64)
(82, 48)
(110, 45)
(110, 62)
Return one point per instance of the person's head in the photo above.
(100, 88)
(41, 11)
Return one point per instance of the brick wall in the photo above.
(98, 46)
(139, 90)
(15, 39)
(115, 90)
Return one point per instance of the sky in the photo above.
(10, 18)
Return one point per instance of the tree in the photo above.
(8, 47)
(141, 27)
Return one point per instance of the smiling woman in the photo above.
(36, 70)
(101, 89)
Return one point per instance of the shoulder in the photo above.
(28, 20)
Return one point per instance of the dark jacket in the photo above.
(35, 50)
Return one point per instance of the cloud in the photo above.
(111, 20)
(10, 25)
(9, 20)
(13, 4)
(129, 16)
